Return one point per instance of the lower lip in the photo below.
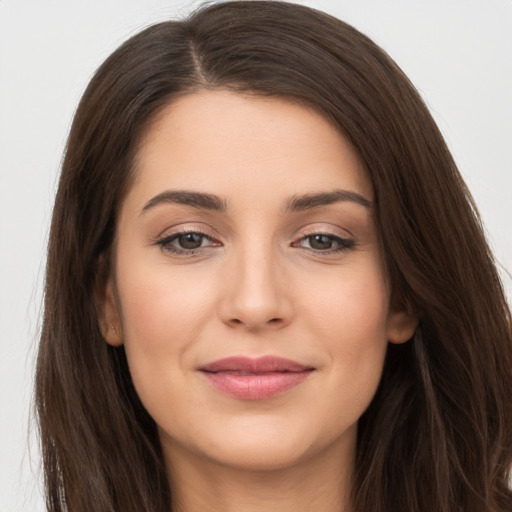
(256, 386)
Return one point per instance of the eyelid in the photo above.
(324, 229)
(184, 228)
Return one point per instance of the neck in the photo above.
(319, 483)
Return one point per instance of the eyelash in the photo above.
(165, 242)
(344, 244)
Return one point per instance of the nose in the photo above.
(256, 291)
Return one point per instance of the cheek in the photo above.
(163, 313)
(348, 317)
(159, 305)
(350, 304)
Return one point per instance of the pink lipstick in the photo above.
(255, 379)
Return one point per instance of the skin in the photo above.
(258, 284)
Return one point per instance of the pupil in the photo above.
(320, 242)
(190, 241)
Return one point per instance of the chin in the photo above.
(263, 454)
(263, 444)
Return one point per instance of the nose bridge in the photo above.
(256, 297)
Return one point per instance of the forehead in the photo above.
(233, 144)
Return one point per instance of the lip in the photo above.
(246, 378)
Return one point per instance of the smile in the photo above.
(255, 379)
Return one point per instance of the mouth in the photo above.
(255, 379)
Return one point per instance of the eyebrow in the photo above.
(212, 202)
(185, 197)
(308, 201)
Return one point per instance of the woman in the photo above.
(267, 285)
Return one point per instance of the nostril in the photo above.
(237, 321)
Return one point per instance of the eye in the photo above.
(189, 241)
(186, 243)
(322, 242)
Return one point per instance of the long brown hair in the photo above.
(438, 434)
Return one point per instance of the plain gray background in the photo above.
(457, 52)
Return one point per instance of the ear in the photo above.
(109, 319)
(401, 326)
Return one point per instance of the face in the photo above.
(247, 285)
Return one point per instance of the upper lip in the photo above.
(265, 364)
